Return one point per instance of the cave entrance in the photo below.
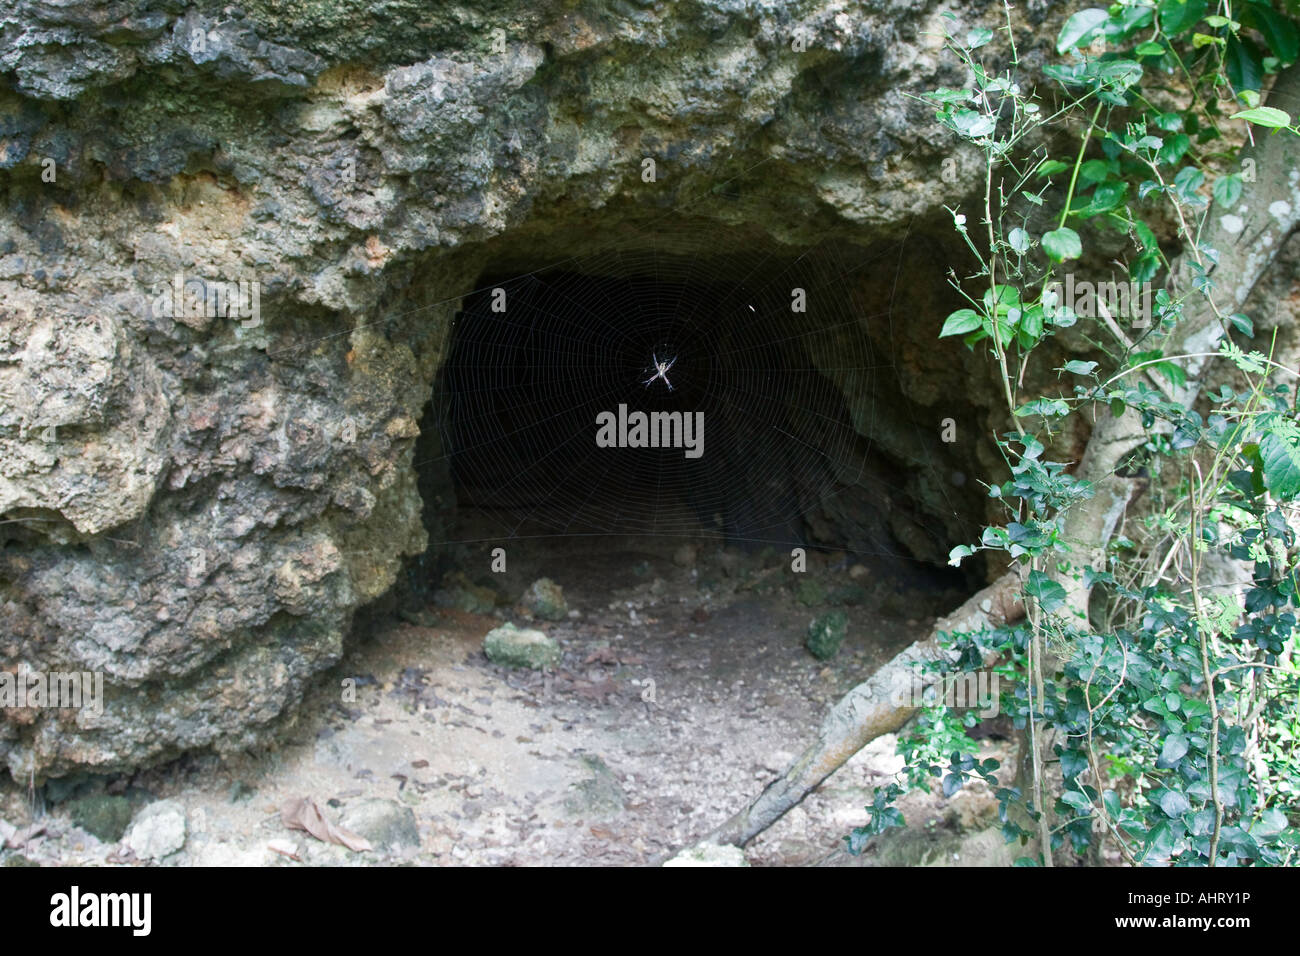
(638, 404)
(757, 370)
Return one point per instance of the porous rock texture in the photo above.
(197, 506)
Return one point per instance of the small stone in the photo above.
(103, 816)
(460, 592)
(157, 831)
(858, 572)
(387, 824)
(826, 634)
(520, 647)
(420, 617)
(709, 854)
(545, 599)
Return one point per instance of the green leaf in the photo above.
(1186, 183)
(959, 552)
(1174, 803)
(1076, 367)
(1174, 149)
(1150, 49)
(1243, 324)
(1227, 190)
(951, 784)
(1047, 407)
(1179, 15)
(1279, 449)
(971, 124)
(1144, 267)
(1030, 329)
(1121, 74)
(1052, 167)
(960, 322)
(1145, 236)
(1175, 749)
(1062, 244)
(1077, 800)
(1008, 298)
(1279, 32)
(1049, 594)
(1174, 373)
(1264, 116)
(1106, 197)
(1244, 64)
(1169, 122)
(1079, 28)
(1019, 240)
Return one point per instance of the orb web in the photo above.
(761, 345)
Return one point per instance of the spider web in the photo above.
(789, 398)
(521, 390)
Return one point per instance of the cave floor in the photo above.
(574, 766)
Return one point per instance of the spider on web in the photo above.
(661, 371)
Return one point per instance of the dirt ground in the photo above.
(683, 688)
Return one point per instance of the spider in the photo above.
(661, 371)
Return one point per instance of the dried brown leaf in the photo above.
(302, 813)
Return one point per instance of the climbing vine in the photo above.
(1157, 694)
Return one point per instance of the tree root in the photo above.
(869, 710)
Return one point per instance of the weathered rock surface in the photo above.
(157, 831)
(197, 504)
(520, 647)
(545, 599)
(826, 633)
(387, 824)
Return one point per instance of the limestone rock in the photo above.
(104, 816)
(157, 831)
(197, 504)
(826, 634)
(387, 824)
(460, 592)
(545, 599)
(520, 647)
